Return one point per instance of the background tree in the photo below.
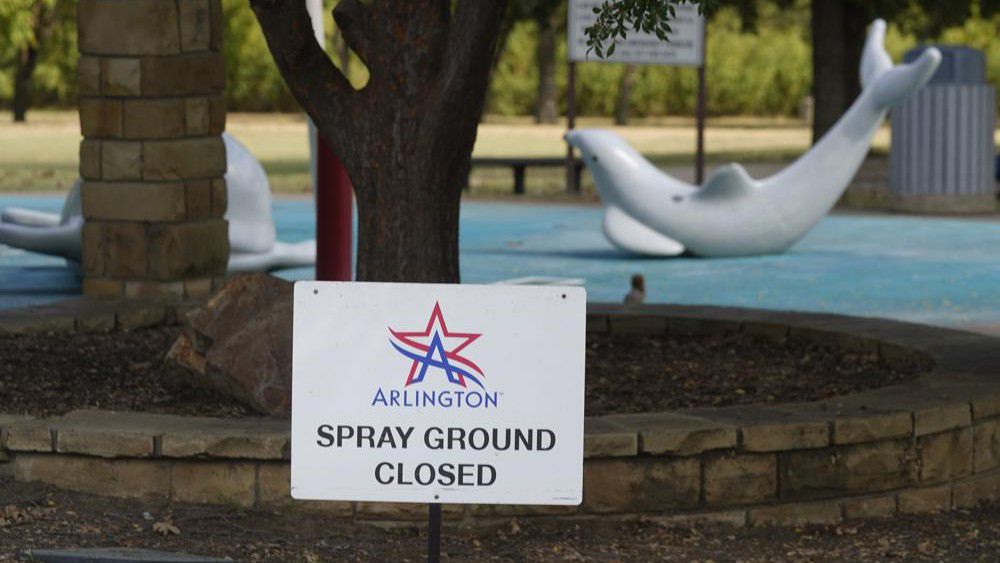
(26, 26)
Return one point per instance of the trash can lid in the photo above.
(959, 64)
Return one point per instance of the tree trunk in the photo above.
(24, 72)
(624, 99)
(838, 34)
(406, 138)
(545, 57)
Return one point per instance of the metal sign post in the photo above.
(434, 533)
(571, 177)
(686, 47)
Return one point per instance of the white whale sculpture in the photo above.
(651, 213)
(252, 237)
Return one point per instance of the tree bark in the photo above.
(406, 138)
(624, 98)
(838, 34)
(546, 110)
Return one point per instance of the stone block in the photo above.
(95, 287)
(224, 439)
(930, 499)
(872, 428)
(661, 433)
(183, 159)
(100, 117)
(214, 482)
(216, 114)
(136, 27)
(185, 75)
(196, 116)
(130, 201)
(216, 20)
(274, 485)
(90, 159)
(938, 418)
(640, 485)
(103, 441)
(198, 289)
(974, 491)
(124, 478)
(869, 507)
(29, 436)
(604, 439)
(88, 76)
(850, 470)
(782, 436)
(509, 510)
(986, 446)
(195, 25)
(199, 199)
(220, 197)
(154, 118)
(986, 405)
(741, 479)
(121, 77)
(796, 514)
(188, 250)
(148, 290)
(121, 160)
(945, 456)
(114, 249)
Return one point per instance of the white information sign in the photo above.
(684, 48)
(438, 393)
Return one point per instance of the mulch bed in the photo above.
(52, 374)
(34, 516)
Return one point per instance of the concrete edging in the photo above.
(929, 444)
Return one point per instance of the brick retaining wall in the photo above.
(929, 444)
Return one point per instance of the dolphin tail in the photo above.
(892, 84)
(61, 240)
(632, 236)
(874, 58)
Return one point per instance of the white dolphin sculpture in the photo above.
(252, 237)
(649, 212)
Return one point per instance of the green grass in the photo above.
(42, 154)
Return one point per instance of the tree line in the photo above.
(759, 52)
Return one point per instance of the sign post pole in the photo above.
(434, 533)
(699, 156)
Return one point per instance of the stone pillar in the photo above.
(151, 81)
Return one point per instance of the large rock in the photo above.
(240, 343)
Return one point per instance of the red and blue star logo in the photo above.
(437, 347)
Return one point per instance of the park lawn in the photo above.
(41, 155)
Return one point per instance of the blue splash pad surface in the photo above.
(934, 271)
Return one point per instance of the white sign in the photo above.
(438, 393)
(684, 48)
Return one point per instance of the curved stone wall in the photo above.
(932, 443)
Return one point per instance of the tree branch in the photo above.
(472, 37)
(309, 73)
(356, 26)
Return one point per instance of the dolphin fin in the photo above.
(727, 182)
(632, 236)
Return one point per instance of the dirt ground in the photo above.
(34, 516)
(53, 374)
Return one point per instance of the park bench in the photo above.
(519, 164)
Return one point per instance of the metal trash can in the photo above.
(941, 160)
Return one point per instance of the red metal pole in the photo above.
(334, 217)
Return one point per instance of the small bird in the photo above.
(638, 292)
